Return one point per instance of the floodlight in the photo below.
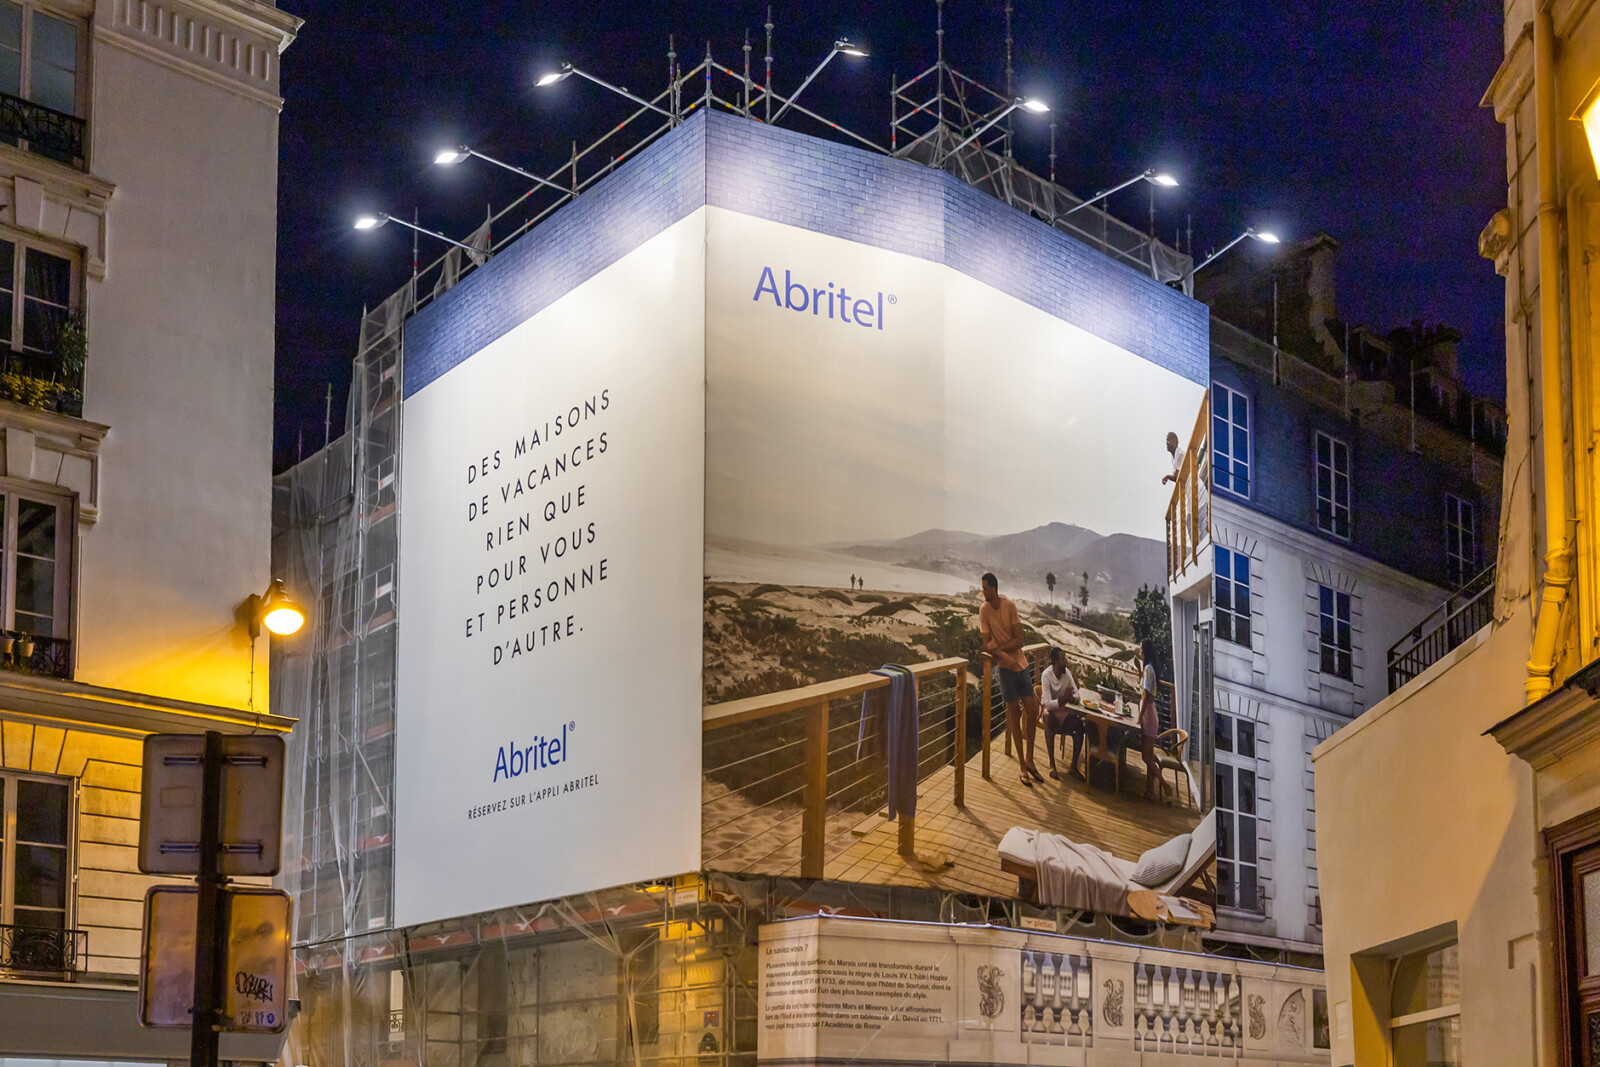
(1149, 175)
(275, 610)
(449, 157)
(1038, 107)
(1263, 236)
(369, 222)
(554, 76)
(1269, 238)
(843, 45)
(568, 70)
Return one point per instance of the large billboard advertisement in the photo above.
(549, 652)
(882, 432)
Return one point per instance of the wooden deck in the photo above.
(865, 848)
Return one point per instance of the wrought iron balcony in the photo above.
(42, 950)
(25, 653)
(1467, 611)
(43, 131)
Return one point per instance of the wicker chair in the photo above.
(1169, 753)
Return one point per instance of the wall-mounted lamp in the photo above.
(275, 611)
(1588, 113)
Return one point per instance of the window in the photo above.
(1460, 540)
(1335, 636)
(1230, 440)
(1425, 1008)
(35, 569)
(1232, 593)
(1236, 836)
(39, 56)
(35, 851)
(1237, 736)
(1333, 486)
(36, 295)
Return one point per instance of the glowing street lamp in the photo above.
(449, 157)
(1151, 176)
(1038, 107)
(841, 46)
(275, 610)
(372, 222)
(1263, 236)
(567, 70)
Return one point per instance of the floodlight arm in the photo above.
(809, 78)
(1146, 176)
(985, 128)
(1249, 232)
(515, 170)
(382, 218)
(619, 90)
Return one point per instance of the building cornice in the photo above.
(76, 705)
(1557, 725)
(1514, 78)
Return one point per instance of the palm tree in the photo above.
(1083, 590)
(1050, 584)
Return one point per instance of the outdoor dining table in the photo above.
(1104, 725)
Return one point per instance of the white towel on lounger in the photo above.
(1071, 874)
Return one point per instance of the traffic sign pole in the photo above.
(211, 928)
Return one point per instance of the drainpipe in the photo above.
(1558, 555)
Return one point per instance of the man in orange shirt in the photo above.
(1001, 628)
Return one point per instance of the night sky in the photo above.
(1360, 119)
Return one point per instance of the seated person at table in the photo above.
(1060, 718)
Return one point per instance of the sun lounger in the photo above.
(1078, 875)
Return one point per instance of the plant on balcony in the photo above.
(40, 393)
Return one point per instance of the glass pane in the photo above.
(36, 589)
(1225, 787)
(1241, 412)
(1246, 739)
(55, 63)
(1225, 834)
(36, 529)
(1591, 923)
(1224, 561)
(1247, 792)
(42, 812)
(47, 282)
(1436, 1043)
(1222, 728)
(10, 48)
(41, 877)
(46, 918)
(1225, 883)
(1241, 570)
(1247, 841)
(1426, 980)
(1241, 444)
(1322, 450)
(1247, 888)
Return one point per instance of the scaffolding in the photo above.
(664, 973)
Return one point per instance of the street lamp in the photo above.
(372, 222)
(1038, 107)
(1150, 175)
(449, 157)
(567, 70)
(842, 45)
(1250, 231)
(275, 610)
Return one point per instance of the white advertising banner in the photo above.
(841, 990)
(548, 736)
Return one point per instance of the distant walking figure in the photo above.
(1001, 628)
(852, 583)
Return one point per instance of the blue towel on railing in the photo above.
(893, 731)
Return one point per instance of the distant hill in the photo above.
(1117, 564)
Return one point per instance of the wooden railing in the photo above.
(1189, 510)
(814, 701)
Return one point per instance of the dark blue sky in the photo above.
(1360, 119)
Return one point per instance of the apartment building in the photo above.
(1342, 509)
(138, 172)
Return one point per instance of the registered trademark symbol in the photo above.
(572, 725)
(893, 299)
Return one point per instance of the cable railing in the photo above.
(801, 775)
(1468, 610)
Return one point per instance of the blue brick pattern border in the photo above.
(787, 177)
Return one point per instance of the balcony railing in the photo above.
(1467, 611)
(43, 131)
(41, 950)
(24, 653)
(1189, 510)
